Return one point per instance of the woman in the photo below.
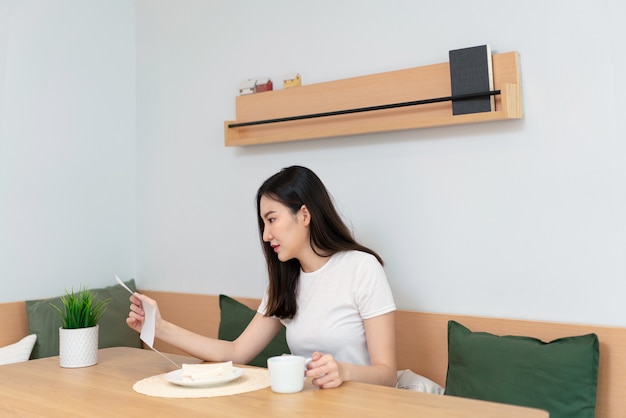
(330, 292)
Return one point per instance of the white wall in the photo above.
(67, 145)
(515, 218)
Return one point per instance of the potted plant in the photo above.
(78, 334)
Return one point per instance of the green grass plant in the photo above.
(81, 309)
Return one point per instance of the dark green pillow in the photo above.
(560, 376)
(43, 320)
(235, 317)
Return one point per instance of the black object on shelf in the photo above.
(459, 97)
(471, 70)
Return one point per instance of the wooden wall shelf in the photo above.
(419, 83)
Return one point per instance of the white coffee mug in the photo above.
(287, 373)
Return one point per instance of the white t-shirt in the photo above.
(332, 304)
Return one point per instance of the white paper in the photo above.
(149, 324)
(149, 327)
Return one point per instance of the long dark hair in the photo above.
(293, 187)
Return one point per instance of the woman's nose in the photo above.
(266, 235)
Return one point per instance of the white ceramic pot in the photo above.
(78, 347)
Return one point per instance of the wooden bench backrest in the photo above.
(13, 322)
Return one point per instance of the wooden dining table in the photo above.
(41, 388)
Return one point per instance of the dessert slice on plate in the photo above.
(193, 372)
(201, 375)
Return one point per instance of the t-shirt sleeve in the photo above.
(373, 295)
(263, 305)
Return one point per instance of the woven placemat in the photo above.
(251, 380)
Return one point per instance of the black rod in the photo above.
(365, 109)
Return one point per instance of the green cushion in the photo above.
(560, 376)
(43, 320)
(235, 317)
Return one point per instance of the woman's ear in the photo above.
(305, 214)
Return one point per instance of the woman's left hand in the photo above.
(325, 371)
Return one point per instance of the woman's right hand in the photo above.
(136, 316)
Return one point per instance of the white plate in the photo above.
(176, 377)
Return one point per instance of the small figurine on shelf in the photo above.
(263, 84)
(247, 87)
(291, 80)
